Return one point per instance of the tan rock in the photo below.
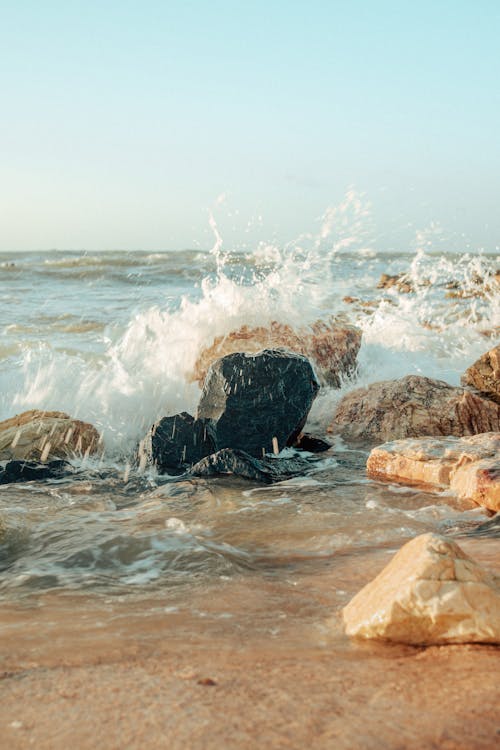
(470, 465)
(413, 406)
(43, 435)
(331, 346)
(430, 593)
(485, 374)
(480, 482)
(401, 282)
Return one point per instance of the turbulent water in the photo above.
(112, 338)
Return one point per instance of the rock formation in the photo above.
(331, 346)
(430, 593)
(413, 406)
(470, 466)
(257, 403)
(484, 375)
(44, 435)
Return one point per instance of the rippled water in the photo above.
(112, 338)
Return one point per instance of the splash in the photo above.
(138, 368)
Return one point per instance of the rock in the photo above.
(413, 406)
(430, 593)
(257, 402)
(484, 375)
(311, 443)
(470, 466)
(490, 528)
(331, 346)
(480, 482)
(401, 282)
(242, 464)
(28, 471)
(175, 443)
(40, 435)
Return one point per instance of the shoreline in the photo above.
(116, 676)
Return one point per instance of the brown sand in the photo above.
(83, 673)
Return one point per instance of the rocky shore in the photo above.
(414, 622)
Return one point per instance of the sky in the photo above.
(124, 124)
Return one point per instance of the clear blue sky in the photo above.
(122, 122)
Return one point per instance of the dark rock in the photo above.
(175, 443)
(311, 443)
(242, 464)
(27, 471)
(257, 402)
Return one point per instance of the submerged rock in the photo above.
(331, 346)
(41, 435)
(257, 402)
(484, 375)
(413, 406)
(175, 443)
(470, 466)
(28, 471)
(430, 593)
(242, 464)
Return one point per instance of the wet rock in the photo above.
(311, 443)
(470, 466)
(241, 464)
(257, 402)
(413, 406)
(490, 528)
(484, 375)
(401, 282)
(332, 347)
(28, 471)
(430, 593)
(41, 435)
(175, 443)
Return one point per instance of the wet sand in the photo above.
(254, 662)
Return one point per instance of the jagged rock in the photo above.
(331, 346)
(175, 443)
(413, 406)
(41, 435)
(257, 402)
(484, 375)
(242, 464)
(430, 593)
(470, 466)
(28, 471)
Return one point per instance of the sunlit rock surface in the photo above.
(332, 347)
(470, 465)
(430, 593)
(258, 403)
(484, 374)
(42, 435)
(413, 406)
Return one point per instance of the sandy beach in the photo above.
(83, 673)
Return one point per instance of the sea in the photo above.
(112, 338)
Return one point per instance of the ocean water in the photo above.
(112, 337)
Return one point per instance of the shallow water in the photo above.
(113, 337)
